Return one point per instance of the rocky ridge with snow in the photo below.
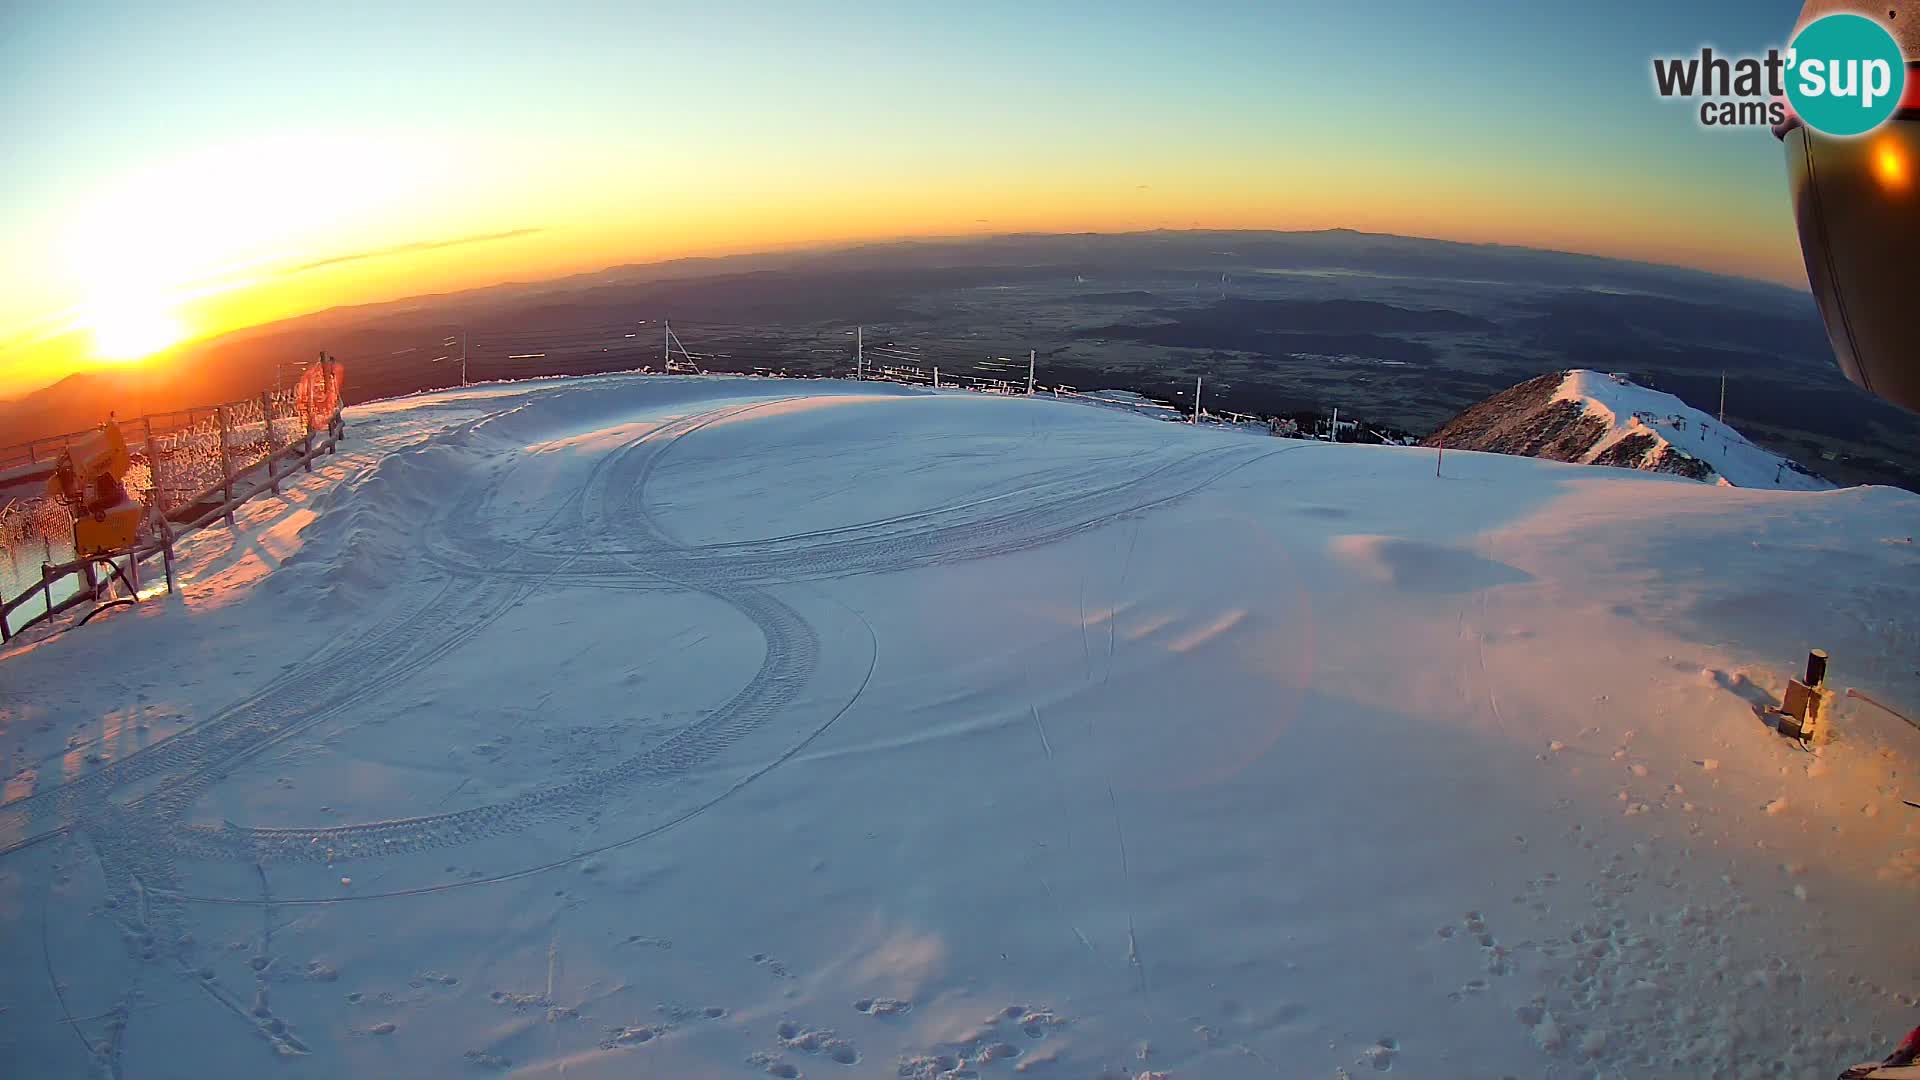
(1606, 419)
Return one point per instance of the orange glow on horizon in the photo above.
(157, 303)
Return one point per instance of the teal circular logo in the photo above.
(1845, 74)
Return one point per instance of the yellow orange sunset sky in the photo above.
(177, 172)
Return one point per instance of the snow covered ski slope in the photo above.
(728, 728)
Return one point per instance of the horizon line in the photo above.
(833, 247)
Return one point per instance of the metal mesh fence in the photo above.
(181, 465)
(189, 460)
(32, 532)
(260, 427)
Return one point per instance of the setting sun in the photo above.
(124, 332)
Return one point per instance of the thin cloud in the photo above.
(418, 245)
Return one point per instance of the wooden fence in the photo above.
(190, 468)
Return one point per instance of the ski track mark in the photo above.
(626, 548)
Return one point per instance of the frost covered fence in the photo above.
(189, 468)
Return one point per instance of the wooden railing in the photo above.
(191, 467)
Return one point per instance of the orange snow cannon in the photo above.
(88, 481)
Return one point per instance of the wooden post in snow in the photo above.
(336, 424)
(1442, 455)
(273, 451)
(226, 465)
(306, 440)
(159, 498)
(158, 505)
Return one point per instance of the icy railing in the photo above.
(191, 459)
(32, 532)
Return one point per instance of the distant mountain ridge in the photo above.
(1591, 418)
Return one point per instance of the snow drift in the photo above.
(733, 727)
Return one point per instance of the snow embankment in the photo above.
(734, 728)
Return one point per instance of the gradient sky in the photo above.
(220, 165)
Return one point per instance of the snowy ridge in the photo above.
(1591, 418)
(1648, 429)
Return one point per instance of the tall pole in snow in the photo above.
(1723, 397)
(463, 356)
(1196, 396)
(1334, 435)
(859, 353)
(666, 345)
(1030, 372)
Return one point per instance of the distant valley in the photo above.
(1402, 333)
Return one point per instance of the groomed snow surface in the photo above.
(727, 727)
(1630, 409)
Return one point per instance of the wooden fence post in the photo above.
(226, 466)
(306, 425)
(273, 449)
(159, 499)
